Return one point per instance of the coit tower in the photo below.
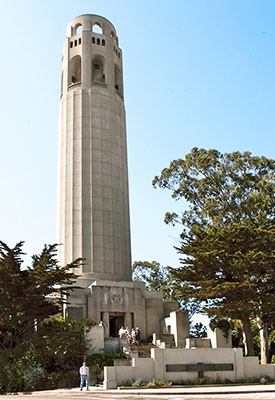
(93, 204)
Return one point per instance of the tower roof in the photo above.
(87, 21)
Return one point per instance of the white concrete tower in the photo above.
(93, 175)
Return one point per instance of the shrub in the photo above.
(155, 382)
(97, 362)
(138, 383)
(50, 358)
(20, 371)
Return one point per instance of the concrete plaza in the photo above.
(263, 392)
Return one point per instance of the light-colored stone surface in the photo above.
(95, 338)
(178, 325)
(264, 392)
(155, 367)
(219, 339)
(198, 342)
(93, 174)
(93, 203)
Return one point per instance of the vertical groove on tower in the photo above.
(86, 179)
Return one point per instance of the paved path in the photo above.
(243, 392)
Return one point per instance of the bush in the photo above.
(155, 382)
(20, 371)
(97, 362)
(138, 383)
(49, 359)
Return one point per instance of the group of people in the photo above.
(132, 336)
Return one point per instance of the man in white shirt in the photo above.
(121, 332)
(84, 376)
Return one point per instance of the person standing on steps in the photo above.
(121, 332)
(128, 335)
(84, 376)
(137, 332)
(133, 336)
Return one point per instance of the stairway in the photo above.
(143, 349)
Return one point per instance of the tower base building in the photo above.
(93, 204)
(119, 304)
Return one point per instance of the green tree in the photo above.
(61, 346)
(231, 270)
(198, 330)
(47, 359)
(158, 278)
(62, 342)
(28, 296)
(228, 195)
(155, 277)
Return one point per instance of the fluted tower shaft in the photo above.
(93, 214)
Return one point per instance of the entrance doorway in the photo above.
(115, 322)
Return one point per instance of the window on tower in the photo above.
(98, 74)
(77, 29)
(117, 77)
(75, 70)
(96, 28)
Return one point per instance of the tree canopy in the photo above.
(28, 296)
(228, 237)
(158, 278)
(221, 188)
(155, 277)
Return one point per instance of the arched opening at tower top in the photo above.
(75, 70)
(98, 64)
(118, 79)
(77, 29)
(96, 28)
(113, 36)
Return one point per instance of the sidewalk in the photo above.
(179, 390)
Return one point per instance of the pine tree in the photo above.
(28, 296)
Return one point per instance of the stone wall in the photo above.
(189, 364)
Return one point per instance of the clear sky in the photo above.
(196, 73)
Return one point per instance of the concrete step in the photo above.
(143, 349)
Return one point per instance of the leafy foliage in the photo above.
(198, 330)
(62, 342)
(231, 269)
(20, 370)
(227, 243)
(97, 362)
(155, 277)
(158, 278)
(50, 358)
(30, 295)
(220, 188)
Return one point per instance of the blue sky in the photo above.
(196, 73)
